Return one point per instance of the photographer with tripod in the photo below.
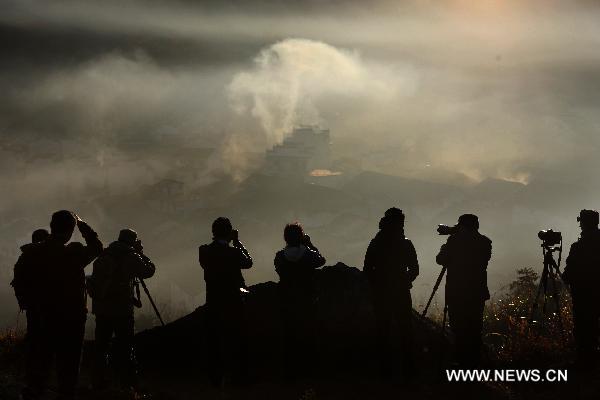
(582, 273)
(114, 291)
(465, 255)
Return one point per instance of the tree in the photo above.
(525, 284)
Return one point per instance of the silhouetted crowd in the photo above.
(51, 286)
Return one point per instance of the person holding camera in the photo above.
(296, 264)
(114, 292)
(391, 265)
(223, 261)
(51, 273)
(582, 273)
(466, 254)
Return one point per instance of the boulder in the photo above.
(344, 326)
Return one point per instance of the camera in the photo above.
(445, 229)
(549, 237)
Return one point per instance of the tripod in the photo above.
(442, 349)
(435, 288)
(141, 282)
(549, 282)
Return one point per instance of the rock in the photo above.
(344, 322)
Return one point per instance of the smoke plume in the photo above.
(291, 81)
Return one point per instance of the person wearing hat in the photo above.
(466, 254)
(50, 285)
(582, 273)
(391, 266)
(112, 288)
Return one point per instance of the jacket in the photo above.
(113, 276)
(466, 255)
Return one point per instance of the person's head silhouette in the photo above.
(393, 220)
(293, 234)
(222, 229)
(62, 225)
(588, 220)
(468, 222)
(39, 235)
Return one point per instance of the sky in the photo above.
(455, 92)
(517, 79)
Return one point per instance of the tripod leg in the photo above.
(442, 352)
(534, 306)
(444, 319)
(556, 295)
(546, 278)
(435, 288)
(152, 301)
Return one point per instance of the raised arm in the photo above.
(316, 258)
(245, 260)
(93, 246)
(144, 267)
(444, 257)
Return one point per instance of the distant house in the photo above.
(306, 149)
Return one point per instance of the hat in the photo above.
(469, 221)
(394, 213)
(128, 236)
(393, 217)
(588, 216)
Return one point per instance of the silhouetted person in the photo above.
(22, 278)
(225, 286)
(56, 293)
(39, 235)
(582, 273)
(466, 254)
(114, 291)
(391, 266)
(296, 265)
(23, 290)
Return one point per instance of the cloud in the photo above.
(296, 81)
(109, 97)
(483, 93)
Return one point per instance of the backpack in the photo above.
(24, 283)
(105, 282)
(99, 282)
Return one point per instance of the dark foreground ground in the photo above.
(173, 362)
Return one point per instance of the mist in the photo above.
(488, 108)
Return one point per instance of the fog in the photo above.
(487, 107)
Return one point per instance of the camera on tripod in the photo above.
(549, 286)
(446, 230)
(550, 238)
